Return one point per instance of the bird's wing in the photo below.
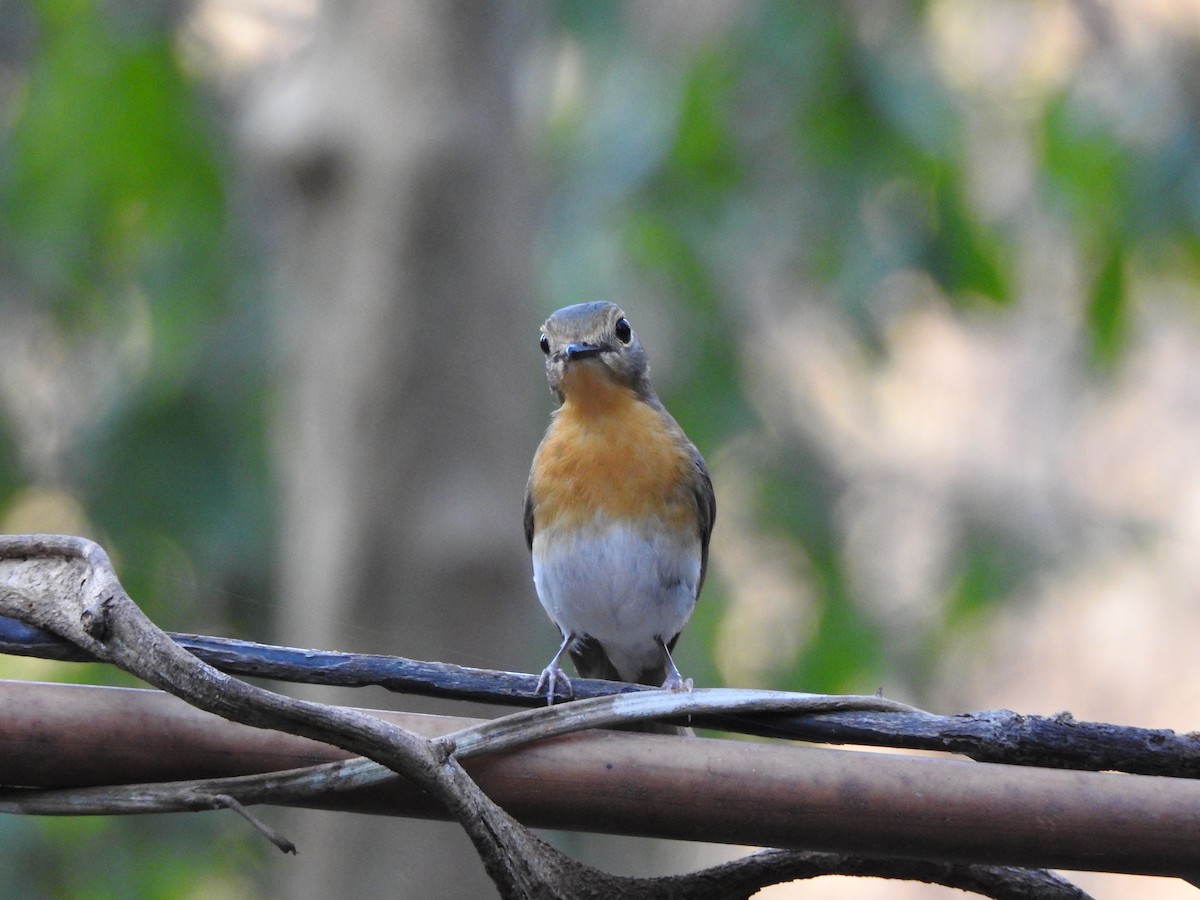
(528, 513)
(706, 512)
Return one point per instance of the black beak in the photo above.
(582, 350)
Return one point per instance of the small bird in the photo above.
(618, 509)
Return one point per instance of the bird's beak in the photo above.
(582, 350)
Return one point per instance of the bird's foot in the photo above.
(676, 683)
(550, 679)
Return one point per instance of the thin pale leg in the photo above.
(553, 674)
(675, 681)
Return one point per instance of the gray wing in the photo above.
(529, 512)
(706, 509)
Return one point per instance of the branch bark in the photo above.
(701, 789)
(1001, 735)
(67, 586)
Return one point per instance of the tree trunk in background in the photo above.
(405, 424)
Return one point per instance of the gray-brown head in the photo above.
(594, 338)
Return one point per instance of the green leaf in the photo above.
(1087, 169)
(1107, 310)
(960, 254)
(703, 157)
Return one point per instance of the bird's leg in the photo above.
(553, 674)
(675, 681)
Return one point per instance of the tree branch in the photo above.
(777, 866)
(700, 789)
(66, 587)
(999, 736)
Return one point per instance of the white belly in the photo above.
(619, 585)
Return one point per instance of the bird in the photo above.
(619, 508)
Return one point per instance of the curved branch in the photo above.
(532, 725)
(743, 877)
(1000, 736)
(67, 586)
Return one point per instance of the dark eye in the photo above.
(622, 330)
(544, 343)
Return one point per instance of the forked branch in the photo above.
(67, 587)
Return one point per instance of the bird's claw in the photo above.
(549, 681)
(677, 684)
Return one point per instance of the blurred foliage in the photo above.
(804, 127)
(126, 293)
(1128, 185)
(148, 856)
(113, 188)
(785, 127)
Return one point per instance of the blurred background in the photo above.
(920, 279)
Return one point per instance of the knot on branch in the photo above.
(96, 619)
(443, 748)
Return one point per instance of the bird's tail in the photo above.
(592, 662)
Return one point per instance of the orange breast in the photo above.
(610, 453)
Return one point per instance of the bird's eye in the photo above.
(544, 343)
(622, 330)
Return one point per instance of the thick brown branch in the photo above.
(703, 789)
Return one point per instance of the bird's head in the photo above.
(591, 347)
